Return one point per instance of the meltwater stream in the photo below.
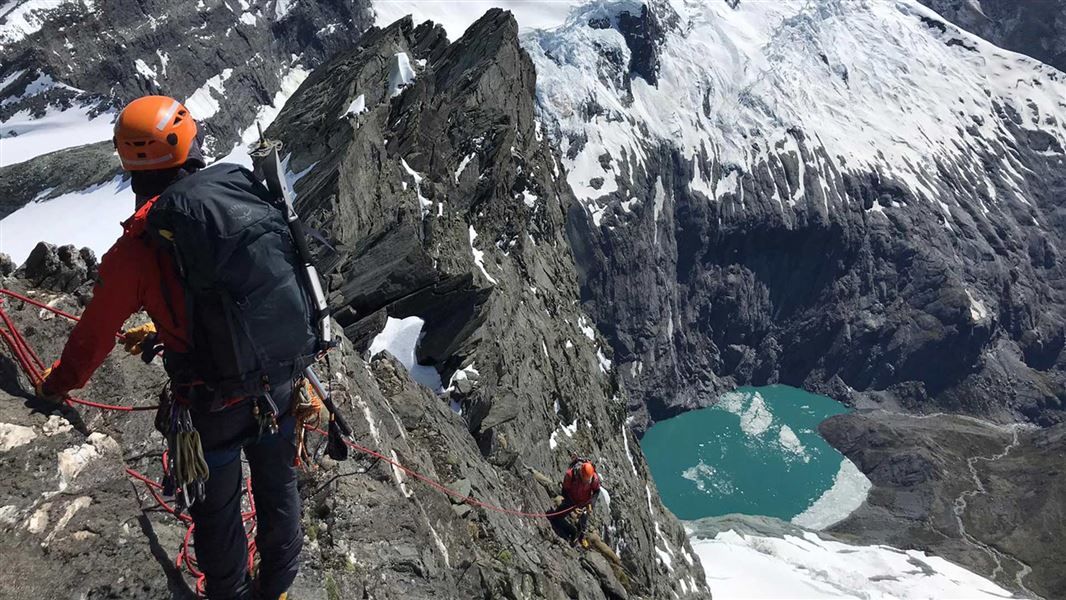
(757, 452)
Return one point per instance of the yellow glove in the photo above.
(42, 393)
(132, 339)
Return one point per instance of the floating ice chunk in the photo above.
(757, 418)
(790, 442)
(849, 491)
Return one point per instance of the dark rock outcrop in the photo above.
(52, 175)
(60, 269)
(441, 196)
(1036, 28)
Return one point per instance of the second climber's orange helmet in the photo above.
(588, 472)
(154, 132)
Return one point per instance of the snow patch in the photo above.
(479, 257)
(22, 19)
(292, 80)
(23, 136)
(625, 441)
(204, 102)
(605, 363)
(105, 205)
(462, 166)
(423, 202)
(401, 75)
(357, 107)
(400, 338)
(978, 312)
(808, 567)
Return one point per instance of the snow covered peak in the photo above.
(883, 87)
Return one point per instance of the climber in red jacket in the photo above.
(158, 143)
(581, 487)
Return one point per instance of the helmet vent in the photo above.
(177, 120)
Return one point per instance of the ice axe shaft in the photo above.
(328, 402)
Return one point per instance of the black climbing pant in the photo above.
(219, 537)
(582, 518)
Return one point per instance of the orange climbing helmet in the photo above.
(588, 472)
(154, 133)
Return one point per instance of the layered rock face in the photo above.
(856, 198)
(1036, 28)
(422, 163)
(977, 494)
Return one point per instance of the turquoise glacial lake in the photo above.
(756, 452)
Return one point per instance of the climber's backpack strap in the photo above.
(251, 320)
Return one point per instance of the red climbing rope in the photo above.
(446, 490)
(33, 366)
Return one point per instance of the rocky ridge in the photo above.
(468, 237)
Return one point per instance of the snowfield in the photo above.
(749, 567)
(735, 84)
(90, 218)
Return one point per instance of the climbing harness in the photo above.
(183, 462)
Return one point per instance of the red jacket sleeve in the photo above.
(116, 296)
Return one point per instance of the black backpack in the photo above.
(251, 321)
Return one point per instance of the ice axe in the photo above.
(266, 158)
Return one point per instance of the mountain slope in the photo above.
(853, 197)
(458, 247)
(71, 64)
